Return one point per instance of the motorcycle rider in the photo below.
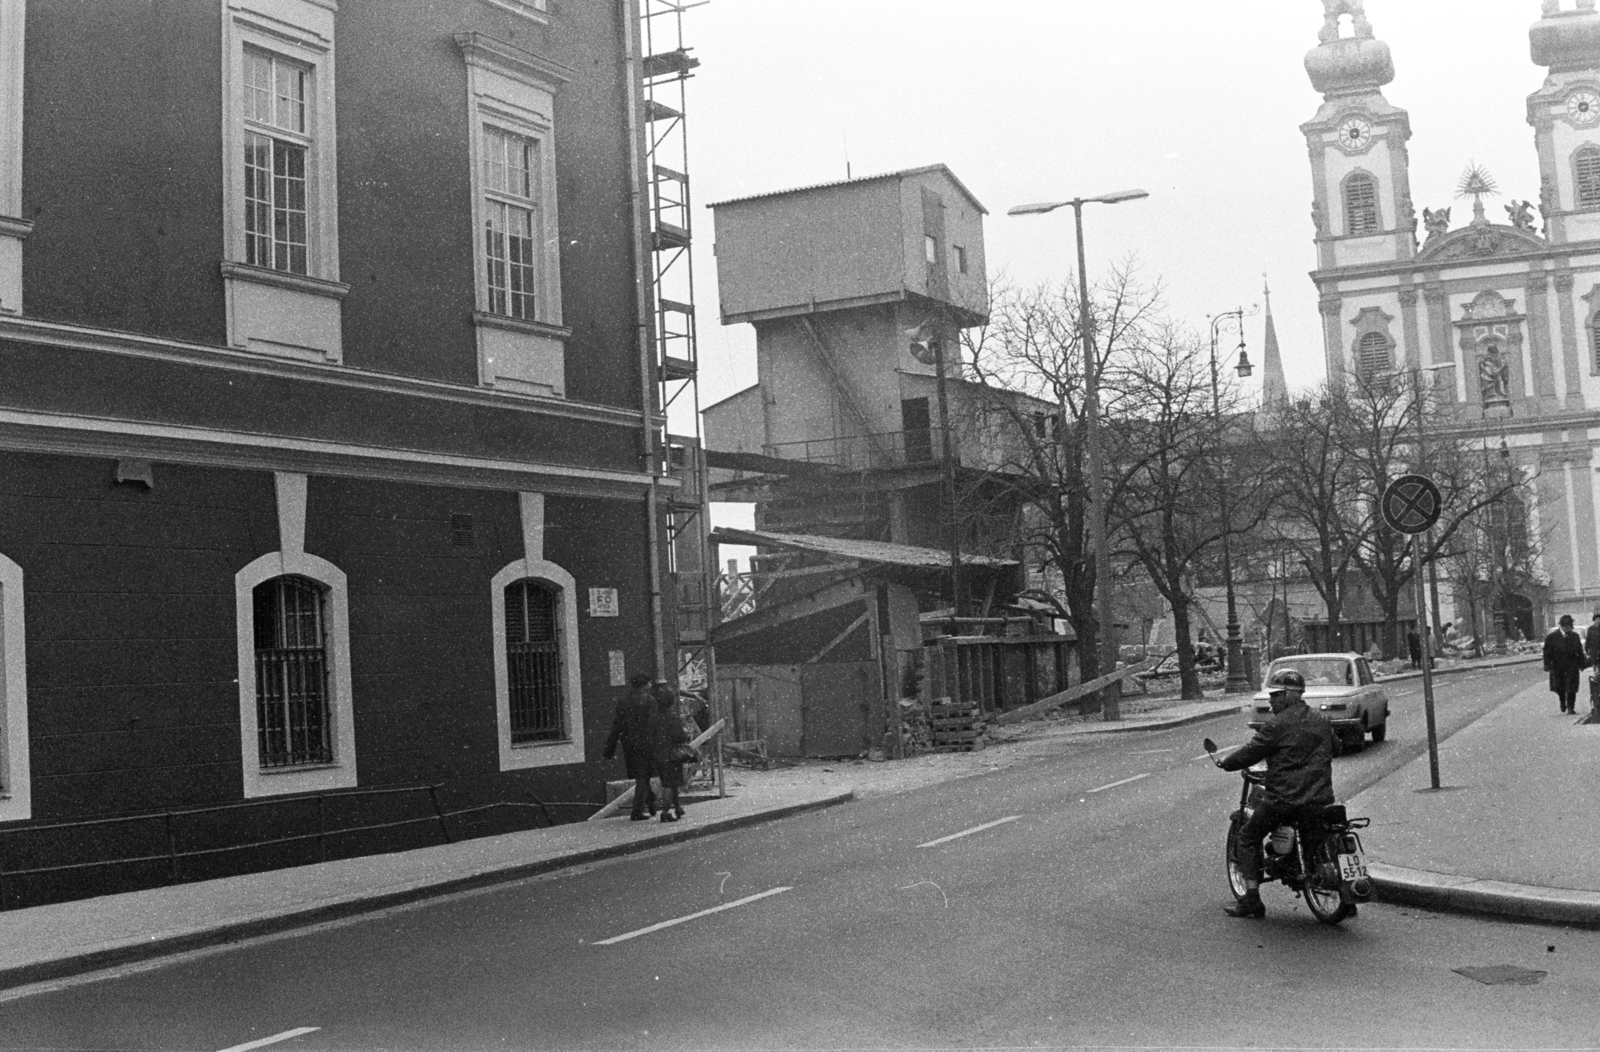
(1299, 746)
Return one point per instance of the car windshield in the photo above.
(1319, 672)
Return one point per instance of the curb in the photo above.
(1123, 727)
(146, 948)
(1484, 666)
(1445, 891)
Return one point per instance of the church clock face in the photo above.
(1583, 107)
(1356, 134)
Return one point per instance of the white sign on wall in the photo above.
(603, 602)
(619, 668)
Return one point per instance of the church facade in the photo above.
(1501, 317)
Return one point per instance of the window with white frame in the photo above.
(1360, 205)
(280, 217)
(538, 692)
(511, 234)
(1372, 355)
(14, 230)
(516, 228)
(276, 143)
(15, 779)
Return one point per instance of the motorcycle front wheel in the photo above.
(1236, 882)
(1327, 902)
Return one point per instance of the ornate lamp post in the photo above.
(1238, 681)
(1109, 649)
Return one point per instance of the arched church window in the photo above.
(1360, 205)
(1586, 169)
(1372, 355)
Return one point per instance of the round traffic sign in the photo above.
(1411, 504)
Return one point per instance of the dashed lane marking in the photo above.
(273, 1040)
(969, 832)
(1125, 781)
(624, 937)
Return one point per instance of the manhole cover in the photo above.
(1498, 974)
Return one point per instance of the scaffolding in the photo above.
(667, 68)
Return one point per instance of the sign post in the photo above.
(1411, 505)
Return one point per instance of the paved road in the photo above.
(1075, 901)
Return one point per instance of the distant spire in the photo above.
(1274, 390)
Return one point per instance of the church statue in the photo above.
(1494, 378)
(1436, 223)
(1319, 218)
(1521, 213)
(1333, 9)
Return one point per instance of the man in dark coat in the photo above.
(631, 727)
(666, 734)
(1299, 747)
(1565, 661)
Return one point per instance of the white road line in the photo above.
(681, 920)
(1125, 781)
(273, 1040)
(974, 829)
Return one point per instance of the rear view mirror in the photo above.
(1210, 745)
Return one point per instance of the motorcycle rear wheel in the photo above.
(1236, 882)
(1327, 904)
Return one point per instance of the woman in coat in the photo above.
(1565, 661)
(666, 734)
(630, 728)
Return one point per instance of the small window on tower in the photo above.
(930, 248)
(1372, 355)
(1360, 205)
(1587, 170)
(961, 259)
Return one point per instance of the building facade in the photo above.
(1501, 317)
(328, 452)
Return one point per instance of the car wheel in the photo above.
(1381, 731)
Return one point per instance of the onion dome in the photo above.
(1566, 40)
(1354, 65)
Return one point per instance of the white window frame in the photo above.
(13, 228)
(512, 92)
(537, 11)
(16, 787)
(535, 566)
(292, 559)
(283, 312)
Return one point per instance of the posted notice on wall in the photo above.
(603, 602)
(619, 668)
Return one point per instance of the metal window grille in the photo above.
(533, 663)
(1594, 344)
(1588, 172)
(1372, 354)
(293, 721)
(275, 147)
(510, 179)
(1361, 205)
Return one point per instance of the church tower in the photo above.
(1361, 186)
(1565, 114)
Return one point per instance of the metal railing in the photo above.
(169, 832)
(885, 449)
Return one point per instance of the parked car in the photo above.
(1342, 688)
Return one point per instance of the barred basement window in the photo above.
(1360, 205)
(1372, 355)
(1587, 169)
(292, 717)
(533, 663)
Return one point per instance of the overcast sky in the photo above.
(1025, 100)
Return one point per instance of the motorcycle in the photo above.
(1319, 857)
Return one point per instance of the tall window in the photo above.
(1586, 167)
(275, 147)
(293, 721)
(533, 662)
(1360, 205)
(511, 222)
(1372, 355)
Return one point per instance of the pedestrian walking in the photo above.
(630, 727)
(1591, 651)
(1565, 661)
(1414, 644)
(669, 747)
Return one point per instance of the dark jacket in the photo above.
(1564, 660)
(1299, 747)
(666, 731)
(1591, 643)
(631, 727)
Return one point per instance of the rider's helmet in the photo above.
(1284, 680)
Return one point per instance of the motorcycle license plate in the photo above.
(1352, 867)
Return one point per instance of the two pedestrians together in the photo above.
(1566, 655)
(653, 740)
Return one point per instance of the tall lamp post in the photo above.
(1110, 698)
(1238, 681)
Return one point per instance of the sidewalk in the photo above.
(1513, 833)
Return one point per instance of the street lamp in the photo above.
(1110, 699)
(1238, 681)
